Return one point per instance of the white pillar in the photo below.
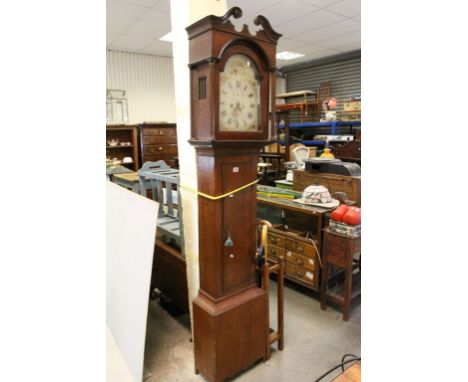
(183, 14)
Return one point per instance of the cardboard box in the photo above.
(352, 105)
(347, 116)
(345, 229)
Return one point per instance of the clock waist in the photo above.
(217, 197)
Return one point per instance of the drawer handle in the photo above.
(273, 251)
(300, 274)
(299, 261)
(300, 249)
(159, 148)
(273, 239)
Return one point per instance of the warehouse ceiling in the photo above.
(314, 28)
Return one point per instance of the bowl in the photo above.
(127, 160)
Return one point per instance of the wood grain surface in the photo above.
(353, 374)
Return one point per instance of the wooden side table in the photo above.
(338, 251)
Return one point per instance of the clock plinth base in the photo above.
(229, 335)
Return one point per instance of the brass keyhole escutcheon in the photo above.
(228, 242)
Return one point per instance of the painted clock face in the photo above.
(239, 96)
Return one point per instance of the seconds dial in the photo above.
(239, 105)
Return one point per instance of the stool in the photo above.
(338, 252)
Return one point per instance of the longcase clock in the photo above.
(232, 106)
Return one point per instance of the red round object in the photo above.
(352, 216)
(337, 215)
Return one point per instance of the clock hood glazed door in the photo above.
(239, 96)
(243, 96)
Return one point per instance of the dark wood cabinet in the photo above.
(169, 274)
(126, 137)
(158, 141)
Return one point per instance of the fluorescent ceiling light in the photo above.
(167, 37)
(288, 55)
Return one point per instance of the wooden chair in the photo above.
(266, 269)
(292, 147)
(323, 93)
(148, 166)
(299, 154)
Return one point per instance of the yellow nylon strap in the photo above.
(188, 188)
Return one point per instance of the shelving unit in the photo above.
(124, 133)
(307, 126)
(308, 107)
(332, 124)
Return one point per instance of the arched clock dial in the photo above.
(239, 95)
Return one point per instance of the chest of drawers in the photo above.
(302, 263)
(158, 141)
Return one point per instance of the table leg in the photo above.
(347, 292)
(323, 289)
(266, 288)
(281, 304)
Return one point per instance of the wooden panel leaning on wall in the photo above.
(158, 141)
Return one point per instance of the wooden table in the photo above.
(352, 374)
(338, 251)
(131, 181)
(288, 204)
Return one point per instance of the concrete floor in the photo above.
(315, 341)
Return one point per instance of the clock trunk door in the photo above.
(239, 211)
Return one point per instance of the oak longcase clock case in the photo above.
(232, 110)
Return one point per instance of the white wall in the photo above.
(149, 82)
